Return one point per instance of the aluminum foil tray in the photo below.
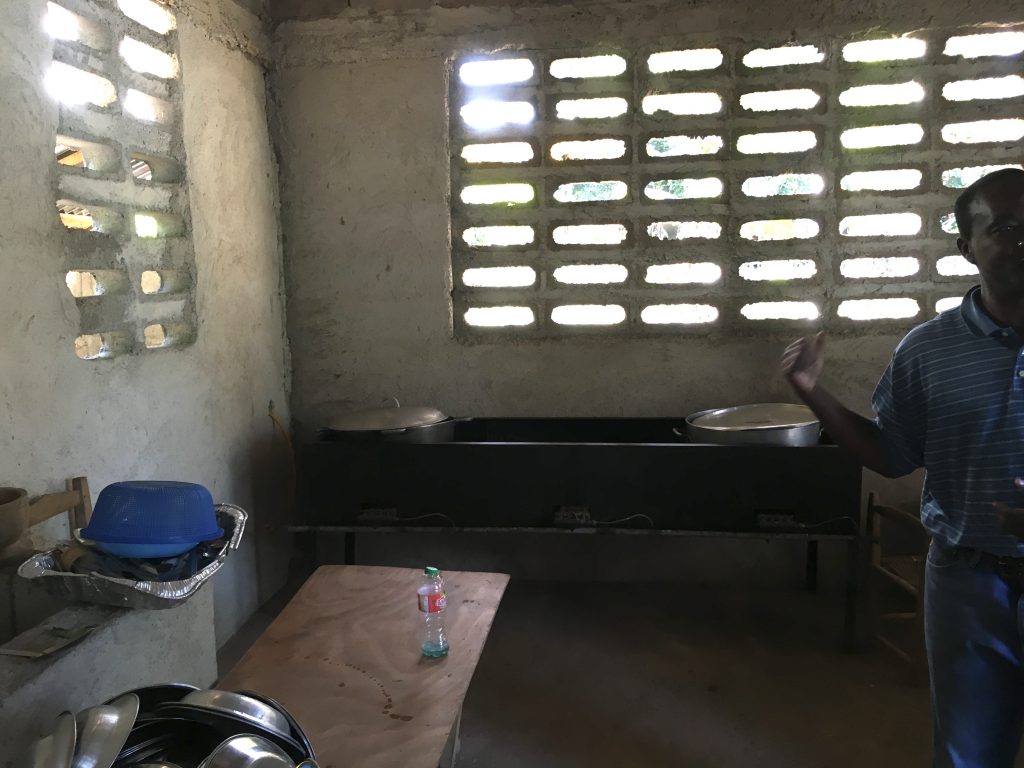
(128, 593)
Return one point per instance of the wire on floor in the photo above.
(853, 522)
(626, 519)
(425, 517)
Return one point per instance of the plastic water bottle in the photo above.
(432, 600)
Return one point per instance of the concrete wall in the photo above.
(363, 140)
(126, 650)
(199, 413)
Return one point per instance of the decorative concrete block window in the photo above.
(121, 195)
(707, 187)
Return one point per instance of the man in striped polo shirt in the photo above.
(952, 401)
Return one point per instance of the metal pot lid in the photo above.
(376, 419)
(753, 417)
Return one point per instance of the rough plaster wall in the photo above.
(197, 414)
(365, 185)
(127, 650)
(283, 10)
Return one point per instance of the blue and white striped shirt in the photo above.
(952, 401)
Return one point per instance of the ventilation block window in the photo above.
(120, 192)
(767, 185)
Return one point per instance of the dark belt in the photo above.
(1010, 568)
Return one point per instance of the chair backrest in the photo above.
(904, 529)
(76, 501)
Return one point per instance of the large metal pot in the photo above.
(398, 423)
(13, 514)
(758, 424)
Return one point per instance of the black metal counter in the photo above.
(586, 475)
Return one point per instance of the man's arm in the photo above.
(802, 363)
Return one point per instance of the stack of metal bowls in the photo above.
(176, 726)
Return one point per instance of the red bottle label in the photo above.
(433, 603)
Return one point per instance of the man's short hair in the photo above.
(961, 209)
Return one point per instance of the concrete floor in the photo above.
(635, 675)
(621, 675)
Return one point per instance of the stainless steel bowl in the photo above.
(151, 696)
(103, 731)
(241, 706)
(782, 424)
(247, 752)
(58, 749)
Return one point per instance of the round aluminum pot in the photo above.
(13, 514)
(781, 424)
(398, 423)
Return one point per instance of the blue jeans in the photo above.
(973, 621)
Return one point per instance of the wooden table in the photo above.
(344, 658)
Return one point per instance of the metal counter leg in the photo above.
(811, 563)
(852, 608)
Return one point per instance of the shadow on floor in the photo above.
(622, 675)
(664, 675)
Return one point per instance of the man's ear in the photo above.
(965, 249)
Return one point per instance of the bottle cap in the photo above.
(431, 571)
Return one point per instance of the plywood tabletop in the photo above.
(344, 658)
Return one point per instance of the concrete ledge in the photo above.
(129, 649)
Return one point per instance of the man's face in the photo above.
(997, 232)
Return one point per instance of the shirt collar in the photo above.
(978, 320)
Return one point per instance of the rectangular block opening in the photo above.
(499, 317)
(783, 56)
(689, 60)
(590, 234)
(591, 191)
(148, 60)
(506, 152)
(498, 236)
(151, 15)
(780, 310)
(685, 273)
(160, 281)
(588, 149)
(148, 109)
(588, 314)
(684, 189)
(72, 152)
(591, 274)
(684, 230)
(684, 145)
(166, 335)
(878, 309)
(101, 346)
(86, 283)
(62, 24)
(90, 218)
(678, 314)
(598, 108)
(495, 72)
(587, 67)
(499, 277)
(497, 194)
(77, 87)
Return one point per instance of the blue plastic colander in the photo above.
(152, 518)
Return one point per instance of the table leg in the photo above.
(451, 748)
(811, 566)
(350, 548)
(850, 639)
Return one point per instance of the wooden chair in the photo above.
(897, 575)
(76, 501)
(24, 604)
